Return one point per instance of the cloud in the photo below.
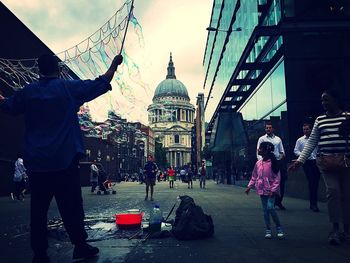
(168, 26)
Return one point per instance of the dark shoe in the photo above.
(85, 251)
(146, 198)
(334, 238)
(41, 258)
(314, 209)
(281, 207)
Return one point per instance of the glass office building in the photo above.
(269, 60)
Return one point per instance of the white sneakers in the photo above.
(280, 233)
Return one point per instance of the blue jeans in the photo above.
(268, 204)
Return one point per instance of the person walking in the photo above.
(53, 145)
(279, 154)
(93, 176)
(183, 174)
(266, 180)
(171, 175)
(310, 168)
(332, 140)
(189, 178)
(202, 175)
(19, 178)
(150, 171)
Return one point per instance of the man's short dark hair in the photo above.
(48, 64)
(268, 123)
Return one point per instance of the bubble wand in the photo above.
(127, 25)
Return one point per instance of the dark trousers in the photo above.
(65, 187)
(284, 175)
(19, 187)
(313, 177)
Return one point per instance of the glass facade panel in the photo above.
(246, 19)
(270, 94)
(274, 14)
(213, 23)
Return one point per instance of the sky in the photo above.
(168, 26)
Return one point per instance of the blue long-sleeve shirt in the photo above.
(52, 133)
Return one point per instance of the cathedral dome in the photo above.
(171, 86)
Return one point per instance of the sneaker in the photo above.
(268, 234)
(12, 196)
(152, 199)
(146, 198)
(280, 233)
(83, 252)
(334, 238)
(41, 258)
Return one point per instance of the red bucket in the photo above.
(127, 221)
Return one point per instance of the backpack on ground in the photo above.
(191, 222)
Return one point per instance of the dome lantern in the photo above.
(171, 87)
(171, 69)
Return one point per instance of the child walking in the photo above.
(266, 180)
(171, 174)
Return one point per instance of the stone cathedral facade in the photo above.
(171, 116)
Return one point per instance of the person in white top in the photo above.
(94, 172)
(310, 168)
(279, 154)
(19, 179)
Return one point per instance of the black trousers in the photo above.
(65, 187)
(19, 187)
(313, 177)
(284, 177)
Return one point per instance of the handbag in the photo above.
(335, 162)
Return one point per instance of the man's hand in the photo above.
(118, 59)
(295, 165)
(247, 190)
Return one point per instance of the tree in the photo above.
(160, 154)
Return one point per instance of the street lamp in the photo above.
(210, 28)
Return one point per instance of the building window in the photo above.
(177, 138)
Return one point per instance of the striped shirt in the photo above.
(325, 135)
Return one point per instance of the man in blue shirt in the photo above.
(53, 144)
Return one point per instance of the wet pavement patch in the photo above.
(98, 228)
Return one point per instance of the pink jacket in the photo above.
(264, 179)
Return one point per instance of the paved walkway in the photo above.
(238, 220)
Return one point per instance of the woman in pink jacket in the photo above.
(266, 180)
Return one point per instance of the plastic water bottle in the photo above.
(155, 221)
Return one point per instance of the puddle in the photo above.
(97, 227)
